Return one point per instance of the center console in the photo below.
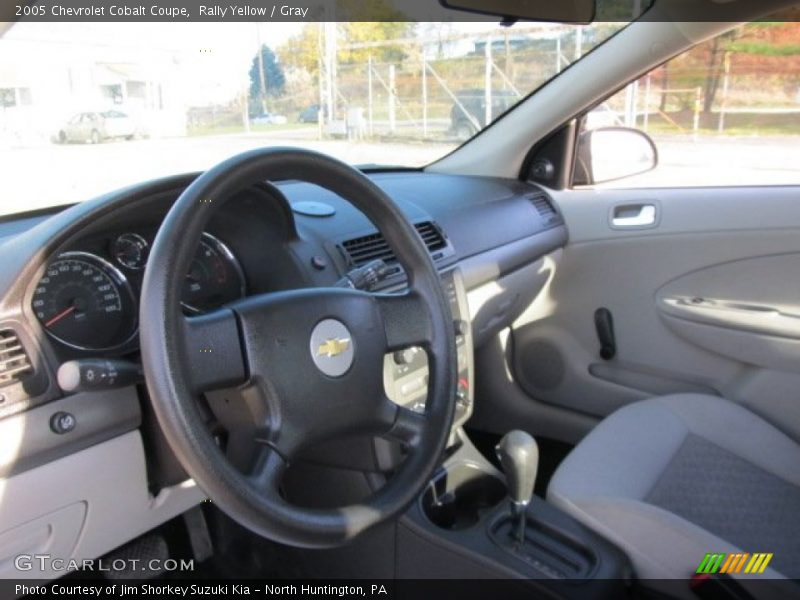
(464, 526)
(405, 373)
(474, 521)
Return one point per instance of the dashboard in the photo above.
(70, 286)
(83, 300)
(72, 278)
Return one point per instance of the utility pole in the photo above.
(631, 100)
(558, 53)
(330, 64)
(369, 95)
(726, 82)
(245, 111)
(487, 82)
(392, 100)
(424, 93)
(262, 89)
(320, 82)
(507, 67)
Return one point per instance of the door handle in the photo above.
(634, 216)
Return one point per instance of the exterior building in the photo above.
(43, 82)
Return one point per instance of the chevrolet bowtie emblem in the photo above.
(333, 347)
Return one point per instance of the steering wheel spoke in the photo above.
(267, 471)
(405, 320)
(400, 423)
(213, 351)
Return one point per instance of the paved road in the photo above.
(51, 174)
(726, 161)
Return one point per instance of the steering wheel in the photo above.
(309, 361)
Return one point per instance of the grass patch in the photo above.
(736, 124)
(233, 129)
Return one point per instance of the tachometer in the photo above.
(214, 278)
(85, 302)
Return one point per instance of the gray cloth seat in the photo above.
(671, 478)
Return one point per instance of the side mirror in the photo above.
(611, 153)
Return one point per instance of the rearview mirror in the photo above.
(611, 153)
(563, 11)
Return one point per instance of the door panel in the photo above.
(737, 249)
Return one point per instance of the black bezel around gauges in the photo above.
(214, 265)
(85, 303)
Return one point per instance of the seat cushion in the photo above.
(670, 479)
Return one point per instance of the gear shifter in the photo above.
(519, 456)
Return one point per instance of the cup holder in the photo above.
(457, 498)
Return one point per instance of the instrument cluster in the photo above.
(87, 301)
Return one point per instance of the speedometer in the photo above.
(86, 303)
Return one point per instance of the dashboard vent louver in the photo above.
(542, 204)
(14, 361)
(366, 248)
(545, 208)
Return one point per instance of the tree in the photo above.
(375, 21)
(360, 32)
(304, 50)
(271, 81)
(716, 61)
(760, 41)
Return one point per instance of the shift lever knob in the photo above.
(519, 457)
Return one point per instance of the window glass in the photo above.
(725, 113)
(380, 93)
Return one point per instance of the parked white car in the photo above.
(95, 127)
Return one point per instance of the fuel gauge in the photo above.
(130, 251)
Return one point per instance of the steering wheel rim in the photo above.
(253, 342)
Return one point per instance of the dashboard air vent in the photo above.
(542, 204)
(545, 208)
(14, 361)
(366, 248)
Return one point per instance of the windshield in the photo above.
(87, 108)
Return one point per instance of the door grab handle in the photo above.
(633, 216)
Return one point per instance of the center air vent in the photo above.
(14, 361)
(361, 250)
(545, 208)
